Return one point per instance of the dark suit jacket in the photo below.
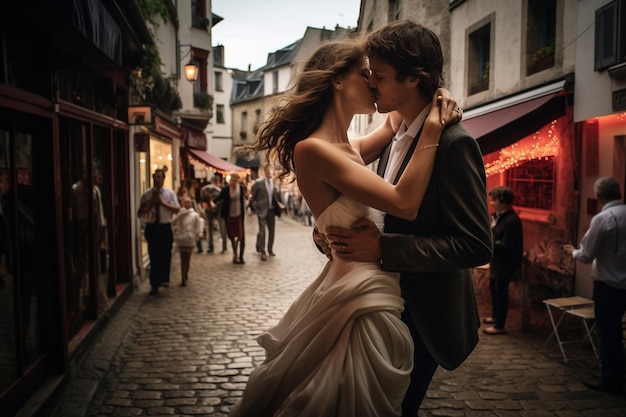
(508, 246)
(260, 200)
(451, 233)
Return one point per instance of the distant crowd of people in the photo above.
(215, 212)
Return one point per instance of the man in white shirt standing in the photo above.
(604, 246)
(156, 208)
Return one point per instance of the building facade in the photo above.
(221, 141)
(65, 167)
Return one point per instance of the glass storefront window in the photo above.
(161, 157)
(24, 268)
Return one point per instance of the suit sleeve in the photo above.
(254, 190)
(462, 237)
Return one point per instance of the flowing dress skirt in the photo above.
(340, 350)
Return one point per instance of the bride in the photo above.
(341, 349)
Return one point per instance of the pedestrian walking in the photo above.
(265, 202)
(233, 198)
(188, 227)
(214, 214)
(156, 208)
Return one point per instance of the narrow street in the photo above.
(188, 351)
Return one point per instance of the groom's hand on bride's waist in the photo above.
(322, 244)
(358, 243)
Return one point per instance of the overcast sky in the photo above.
(253, 28)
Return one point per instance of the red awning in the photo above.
(504, 126)
(212, 160)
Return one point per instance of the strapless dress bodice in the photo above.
(344, 211)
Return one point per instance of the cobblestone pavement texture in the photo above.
(189, 350)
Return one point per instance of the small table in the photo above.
(563, 304)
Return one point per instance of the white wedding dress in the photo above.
(341, 349)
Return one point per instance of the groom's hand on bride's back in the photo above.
(358, 243)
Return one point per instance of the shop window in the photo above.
(541, 35)
(479, 59)
(610, 48)
(533, 183)
(28, 257)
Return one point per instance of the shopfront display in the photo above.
(26, 263)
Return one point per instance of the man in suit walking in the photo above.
(266, 203)
(452, 231)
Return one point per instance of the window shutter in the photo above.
(607, 25)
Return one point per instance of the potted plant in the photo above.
(542, 58)
(543, 52)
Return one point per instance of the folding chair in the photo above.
(563, 304)
(588, 316)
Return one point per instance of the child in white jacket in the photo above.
(188, 227)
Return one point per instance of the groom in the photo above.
(451, 232)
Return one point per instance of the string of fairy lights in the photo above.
(541, 144)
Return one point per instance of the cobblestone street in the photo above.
(188, 351)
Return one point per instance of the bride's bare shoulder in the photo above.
(311, 143)
(311, 148)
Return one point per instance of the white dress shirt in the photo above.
(604, 245)
(401, 144)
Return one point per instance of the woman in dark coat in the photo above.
(234, 214)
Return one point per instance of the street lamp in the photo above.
(191, 71)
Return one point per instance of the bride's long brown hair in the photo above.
(299, 113)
